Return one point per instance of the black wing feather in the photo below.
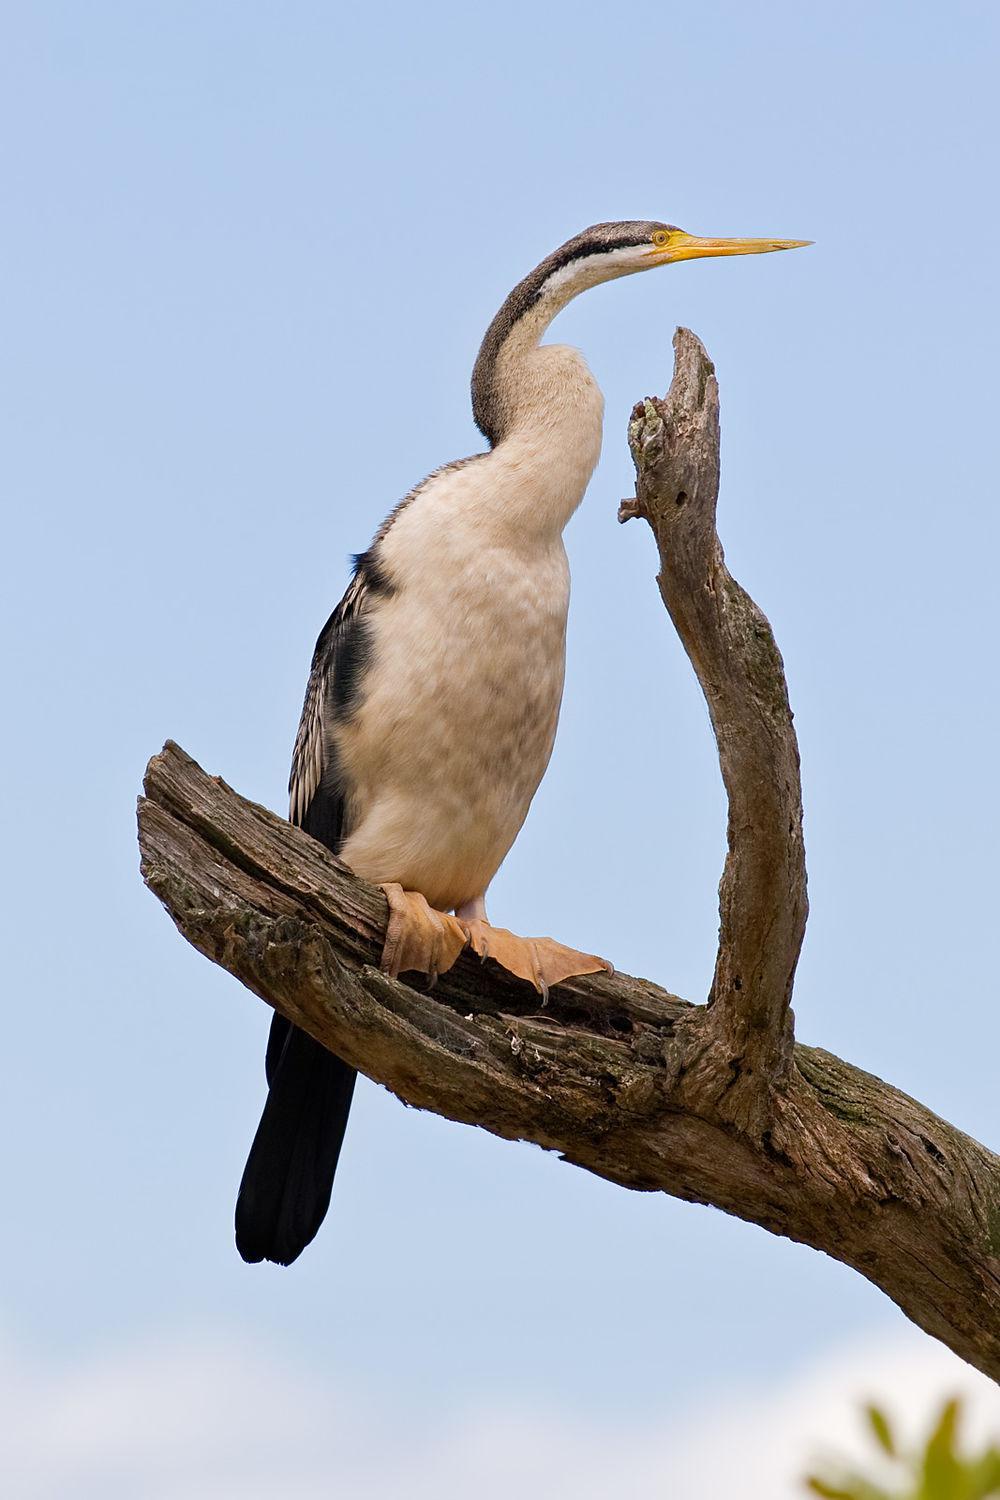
(285, 1191)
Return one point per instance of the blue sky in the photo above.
(249, 253)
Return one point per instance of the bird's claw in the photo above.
(417, 937)
(541, 962)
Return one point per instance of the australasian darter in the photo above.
(432, 702)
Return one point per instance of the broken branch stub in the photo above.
(762, 895)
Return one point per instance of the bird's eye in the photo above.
(661, 237)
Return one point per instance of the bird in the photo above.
(433, 696)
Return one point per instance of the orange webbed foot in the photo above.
(417, 936)
(542, 962)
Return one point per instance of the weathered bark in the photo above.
(713, 1104)
(762, 897)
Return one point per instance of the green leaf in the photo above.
(983, 1475)
(881, 1430)
(941, 1471)
(829, 1491)
(936, 1470)
(850, 1487)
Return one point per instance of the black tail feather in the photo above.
(285, 1191)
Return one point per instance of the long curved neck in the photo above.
(541, 410)
(503, 382)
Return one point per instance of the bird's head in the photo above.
(600, 253)
(605, 251)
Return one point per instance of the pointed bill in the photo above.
(684, 246)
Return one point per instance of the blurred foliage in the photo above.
(935, 1471)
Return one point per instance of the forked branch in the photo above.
(713, 1104)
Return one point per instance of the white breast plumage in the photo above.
(456, 721)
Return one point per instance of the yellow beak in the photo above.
(689, 247)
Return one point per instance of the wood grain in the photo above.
(711, 1103)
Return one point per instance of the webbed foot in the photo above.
(541, 961)
(417, 936)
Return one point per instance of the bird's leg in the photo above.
(417, 936)
(472, 919)
(541, 961)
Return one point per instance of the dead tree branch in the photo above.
(713, 1104)
(762, 897)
